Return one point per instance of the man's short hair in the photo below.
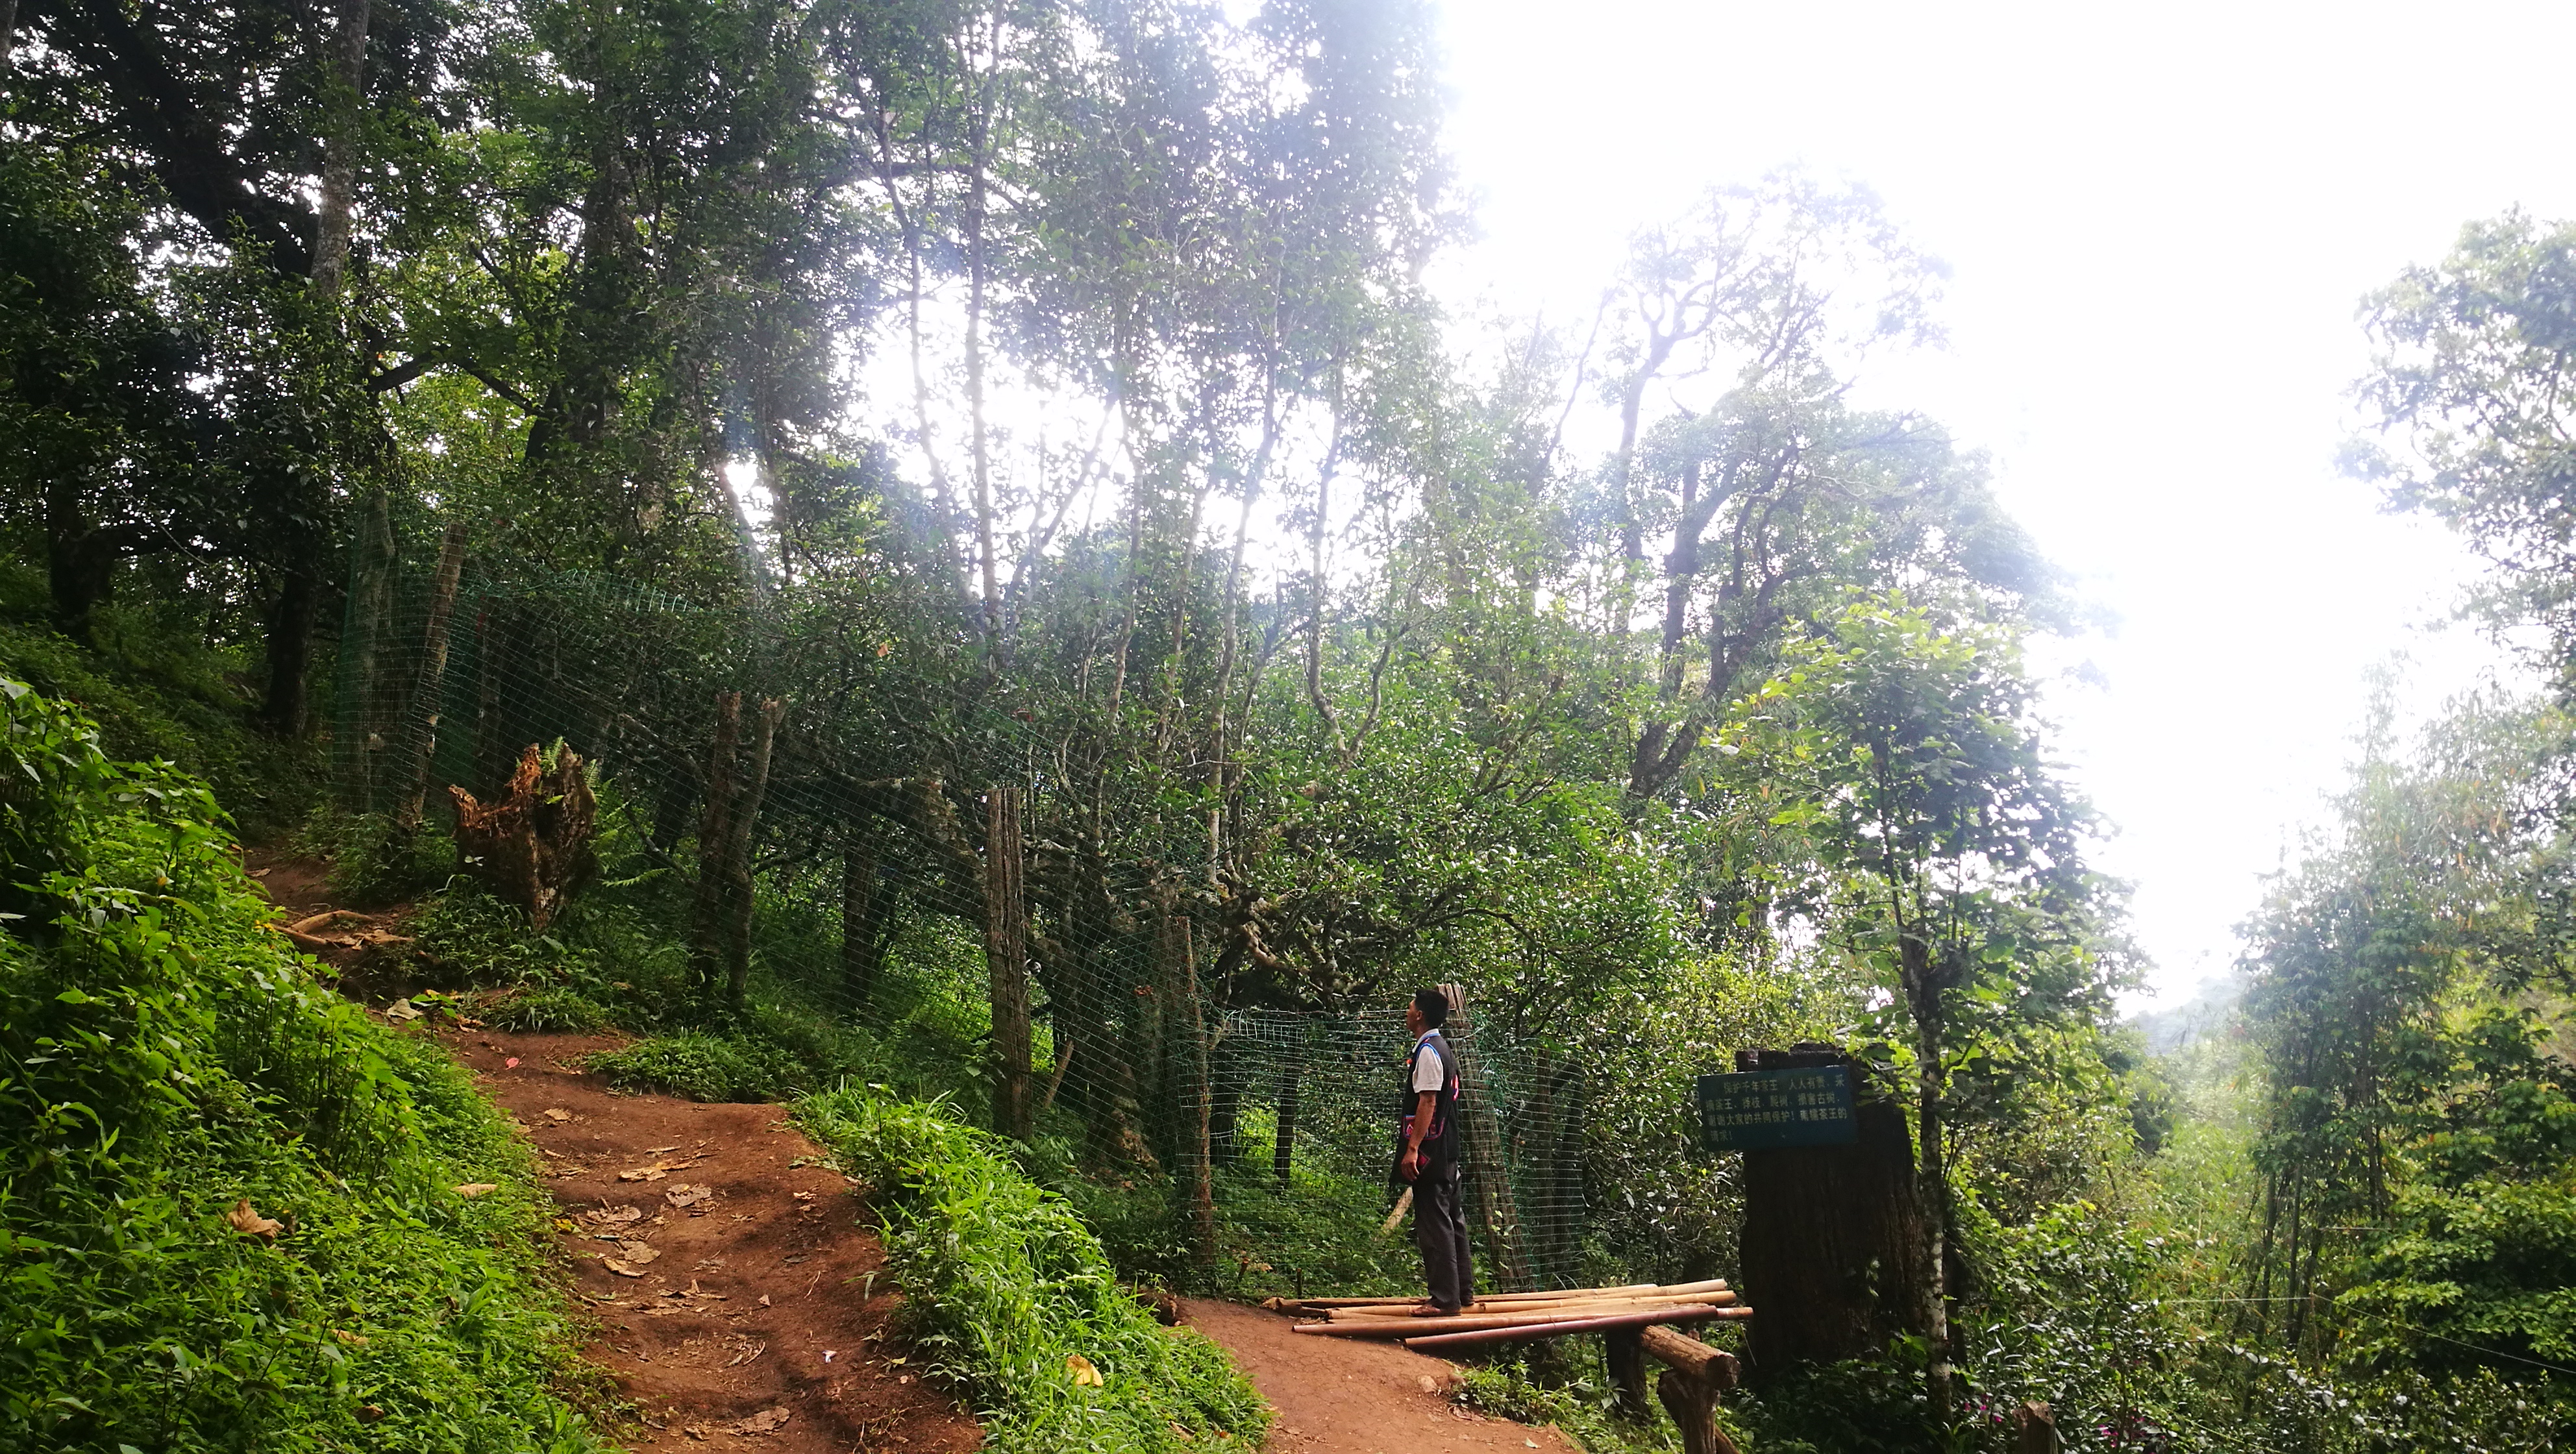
(1434, 1007)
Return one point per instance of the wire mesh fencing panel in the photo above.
(813, 845)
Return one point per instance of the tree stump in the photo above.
(532, 847)
(1832, 1250)
(2034, 1429)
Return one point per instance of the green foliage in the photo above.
(1315, 1237)
(162, 1057)
(154, 695)
(1006, 1284)
(1584, 1406)
(705, 1067)
(373, 862)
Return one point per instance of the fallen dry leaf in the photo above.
(620, 1268)
(683, 1194)
(658, 1150)
(638, 1254)
(644, 1173)
(1429, 1384)
(252, 1224)
(354, 1340)
(369, 1413)
(767, 1421)
(1084, 1375)
(402, 1012)
(557, 1113)
(616, 1216)
(764, 1300)
(477, 1188)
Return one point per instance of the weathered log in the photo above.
(1695, 1374)
(1713, 1366)
(532, 847)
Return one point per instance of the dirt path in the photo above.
(726, 1269)
(729, 1272)
(1346, 1396)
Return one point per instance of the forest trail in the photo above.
(1347, 1396)
(728, 1269)
(744, 1315)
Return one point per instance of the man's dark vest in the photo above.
(1440, 1143)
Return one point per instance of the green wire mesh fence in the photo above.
(825, 843)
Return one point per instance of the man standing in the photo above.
(1429, 1157)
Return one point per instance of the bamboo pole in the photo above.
(1415, 1327)
(1522, 1332)
(1318, 1303)
(1533, 1312)
(1649, 1292)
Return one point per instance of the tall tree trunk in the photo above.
(420, 714)
(1283, 1150)
(715, 832)
(340, 151)
(1488, 1172)
(493, 736)
(1932, 1184)
(373, 689)
(8, 32)
(1189, 1045)
(290, 647)
(1006, 958)
(78, 568)
(737, 869)
(862, 940)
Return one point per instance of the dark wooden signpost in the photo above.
(1763, 1109)
(1833, 1240)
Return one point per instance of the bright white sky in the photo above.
(2161, 219)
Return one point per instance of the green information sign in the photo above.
(1762, 1109)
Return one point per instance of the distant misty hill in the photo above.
(2209, 1008)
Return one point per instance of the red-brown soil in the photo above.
(753, 1298)
(1348, 1396)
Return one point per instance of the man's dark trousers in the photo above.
(1440, 1230)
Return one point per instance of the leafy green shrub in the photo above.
(703, 1067)
(545, 1012)
(149, 694)
(373, 862)
(163, 1061)
(1007, 1286)
(1315, 1237)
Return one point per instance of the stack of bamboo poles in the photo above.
(1511, 1317)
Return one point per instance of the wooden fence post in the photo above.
(2034, 1429)
(1695, 1375)
(1487, 1172)
(1006, 959)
